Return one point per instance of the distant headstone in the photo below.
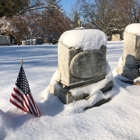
(24, 42)
(31, 41)
(28, 42)
(5, 40)
(39, 40)
(129, 65)
(34, 42)
(80, 63)
(116, 37)
(79, 25)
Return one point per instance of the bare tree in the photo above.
(11, 8)
(98, 13)
(129, 10)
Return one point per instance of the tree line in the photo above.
(110, 16)
(23, 19)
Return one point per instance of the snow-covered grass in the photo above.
(115, 120)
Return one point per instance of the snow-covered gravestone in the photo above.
(129, 63)
(24, 42)
(5, 40)
(81, 62)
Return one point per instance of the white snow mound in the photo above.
(133, 28)
(87, 39)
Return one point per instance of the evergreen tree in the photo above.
(55, 19)
(11, 7)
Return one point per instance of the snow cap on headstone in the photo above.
(133, 28)
(88, 39)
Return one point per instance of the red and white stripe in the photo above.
(24, 102)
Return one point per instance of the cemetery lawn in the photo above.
(116, 120)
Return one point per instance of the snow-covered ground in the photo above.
(115, 120)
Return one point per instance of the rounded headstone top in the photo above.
(88, 39)
(133, 28)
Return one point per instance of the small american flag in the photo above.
(22, 97)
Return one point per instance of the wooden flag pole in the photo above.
(22, 62)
